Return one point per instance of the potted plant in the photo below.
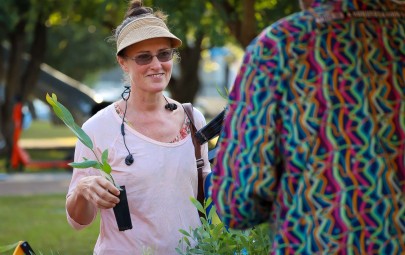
(121, 210)
(213, 237)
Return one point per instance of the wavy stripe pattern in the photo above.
(314, 137)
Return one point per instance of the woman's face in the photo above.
(152, 77)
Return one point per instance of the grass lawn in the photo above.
(41, 221)
(45, 129)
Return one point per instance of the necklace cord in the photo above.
(125, 96)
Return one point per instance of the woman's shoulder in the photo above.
(199, 118)
(99, 119)
(198, 115)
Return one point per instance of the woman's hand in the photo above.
(98, 191)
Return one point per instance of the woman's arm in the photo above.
(91, 192)
(88, 191)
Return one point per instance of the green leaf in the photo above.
(184, 232)
(198, 205)
(104, 156)
(64, 114)
(84, 164)
(198, 251)
(104, 159)
(224, 96)
(83, 137)
(187, 241)
(204, 222)
(211, 213)
(218, 230)
(8, 247)
(180, 251)
(106, 168)
(226, 91)
(208, 202)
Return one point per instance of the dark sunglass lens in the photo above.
(165, 55)
(143, 59)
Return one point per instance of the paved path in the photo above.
(34, 183)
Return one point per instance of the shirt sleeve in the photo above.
(245, 170)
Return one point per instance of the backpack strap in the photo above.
(188, 109)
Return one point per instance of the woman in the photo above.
(150, 148)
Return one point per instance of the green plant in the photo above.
(224, 96)
(64, 114)
(9, 247)
(213, 237)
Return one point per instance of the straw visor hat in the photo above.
(144, 28)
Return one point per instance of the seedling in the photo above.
(214, 238)
(64, 114)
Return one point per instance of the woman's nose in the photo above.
(155, 62)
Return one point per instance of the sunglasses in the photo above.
(146, 58)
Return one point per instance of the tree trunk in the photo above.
(186, 87)
(242, 28)
(37, 54)
(248, 26)
(2, 65)
(17, 39)
(2, 85)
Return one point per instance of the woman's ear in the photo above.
(121, 61)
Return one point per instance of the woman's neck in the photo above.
(146, 104)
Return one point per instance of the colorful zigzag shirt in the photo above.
(313, 140)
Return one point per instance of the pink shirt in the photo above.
(159, 185)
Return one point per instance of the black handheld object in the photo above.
(27, 248)
(209, 131)
(121, 212)
(212, 129)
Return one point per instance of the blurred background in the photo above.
(64, 47)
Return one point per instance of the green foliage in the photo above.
(268, 12)
(224, 94)
(9, 247)
(213, 237)
(9, 16)
(64, 114)
(80, 49)
(188, 19)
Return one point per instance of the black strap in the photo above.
(188, 109)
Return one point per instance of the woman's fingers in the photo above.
(102, 193)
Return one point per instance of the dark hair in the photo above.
(136, 10)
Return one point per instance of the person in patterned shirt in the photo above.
(313, 140)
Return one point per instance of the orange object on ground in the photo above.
(23, 248)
